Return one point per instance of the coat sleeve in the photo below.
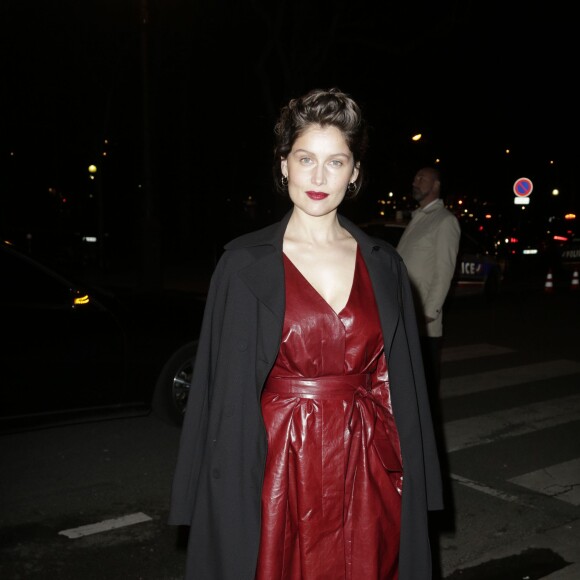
(433, 484)
(445, 255)
(195, 423)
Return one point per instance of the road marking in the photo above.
(489, 490)
(493, 427)
(467, 384)
(455, 353)
(106, 525)
(559, 481)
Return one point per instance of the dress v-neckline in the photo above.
(319, 294)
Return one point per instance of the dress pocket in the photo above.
(387, 454)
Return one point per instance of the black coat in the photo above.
(220, 467)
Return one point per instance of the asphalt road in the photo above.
(511, 417)
(510, 411)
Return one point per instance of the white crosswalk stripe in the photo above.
(496, 426)
(467, 351)
(467, 384)
(478, 420)
(560, 481)
(500, 425)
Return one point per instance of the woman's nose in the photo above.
(318, 175)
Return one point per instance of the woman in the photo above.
(307, 449)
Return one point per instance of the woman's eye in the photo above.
(336, 163)
(305, 160)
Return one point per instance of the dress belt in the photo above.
(326, 387)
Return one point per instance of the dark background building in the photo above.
(173, 102)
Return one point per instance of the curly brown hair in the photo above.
(320, 107)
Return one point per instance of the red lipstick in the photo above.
(316, 195)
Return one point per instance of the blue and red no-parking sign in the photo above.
(523, 187)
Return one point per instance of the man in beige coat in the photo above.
(429, 247)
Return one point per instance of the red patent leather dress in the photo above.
(331, 498)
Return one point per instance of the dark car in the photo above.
(570, 254)
(71, 352)
(565, 263)
(478, 272)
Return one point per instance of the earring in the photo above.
(284, 181)
(351, 188)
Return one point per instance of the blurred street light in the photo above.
(100, 213)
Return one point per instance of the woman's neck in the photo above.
(315, 230)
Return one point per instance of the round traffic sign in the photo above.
(523, 187)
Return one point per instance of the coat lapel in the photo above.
(385, 277)
(265, 279)
(265, 275)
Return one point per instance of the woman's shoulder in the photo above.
(247, 248)
(370, 242)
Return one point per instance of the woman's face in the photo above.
(319, 169)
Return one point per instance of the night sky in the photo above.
(190, 133)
